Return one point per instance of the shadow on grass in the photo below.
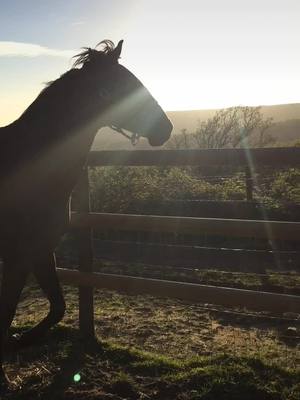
(109, 371)
(48, 369)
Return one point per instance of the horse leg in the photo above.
(45, 273)
(13, 280)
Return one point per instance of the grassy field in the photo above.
(153, 348)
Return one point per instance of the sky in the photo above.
(190, 54)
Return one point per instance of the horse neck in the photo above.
(45, 124)
(23, 145)
(62, 116)
(6, 135)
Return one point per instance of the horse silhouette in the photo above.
(41, 157)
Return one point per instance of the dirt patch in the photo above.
(155, 348)
(176, 328)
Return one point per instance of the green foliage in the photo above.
(232, 188)
(278, 188)
(179, 183)
(286, 186)
(113, 189)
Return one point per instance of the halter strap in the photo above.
(134, 138)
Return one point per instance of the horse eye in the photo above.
(104, 94)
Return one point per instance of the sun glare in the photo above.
(190, 56)
(210, 94)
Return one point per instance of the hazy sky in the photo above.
(190, 54)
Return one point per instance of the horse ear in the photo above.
(115, 54)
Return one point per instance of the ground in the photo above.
(155, 348)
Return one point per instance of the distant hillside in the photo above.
(189, 119)
(286, 128)
(286, 131)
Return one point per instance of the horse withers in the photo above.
(41, 157)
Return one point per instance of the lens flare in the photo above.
(76, 378)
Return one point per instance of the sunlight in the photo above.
(130, 110)
(267, 225)
(197, 226)
(184, 94)
(13, 104)
(199, 56)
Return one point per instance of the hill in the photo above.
(189, 119)
(286, 131)
(285, 116)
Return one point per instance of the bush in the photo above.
(113, 189)
(286, 186)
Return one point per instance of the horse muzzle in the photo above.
(161, 132)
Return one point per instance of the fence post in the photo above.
(85, 247)
(249, 183)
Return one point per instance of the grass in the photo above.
(153, 348)
(113, 371)
(288, 283)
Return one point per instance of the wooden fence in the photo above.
(84, 221)
(186, 251)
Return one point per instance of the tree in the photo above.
(181, 141)
(231, 127)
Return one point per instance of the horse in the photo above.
(42, 155)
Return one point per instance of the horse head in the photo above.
(124, 101)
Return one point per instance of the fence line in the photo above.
(85, 221)
(231, 297)
(272, 230)
(277, 157)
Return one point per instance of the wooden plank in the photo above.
(272, 230)
(278, 157)
(253, 300)
(233, 209)
(181, 256)
(85, 250)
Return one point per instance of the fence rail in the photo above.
(272, 230)
(277, 157)
(84, 222)
(253, 300)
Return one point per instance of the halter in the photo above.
(134, 138)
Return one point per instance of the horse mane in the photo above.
(82, 61)
(85, 57)
(90, 54)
